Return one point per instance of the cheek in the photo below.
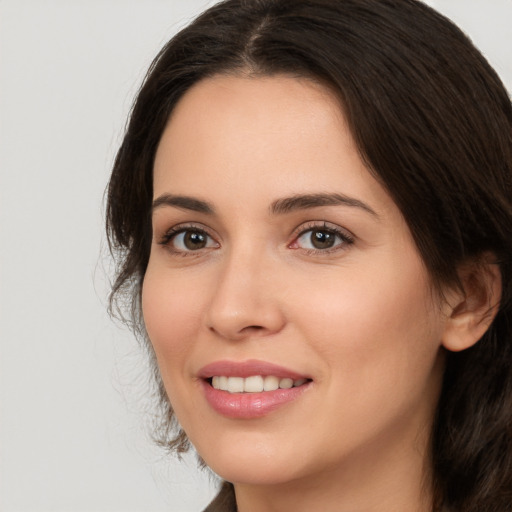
(377, 337)
(172, 313)
(173, 306)
(377, 326)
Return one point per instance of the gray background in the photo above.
(73, 386)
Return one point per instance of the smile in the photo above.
(254, 383)
(250, 389)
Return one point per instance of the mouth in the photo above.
(250, 389)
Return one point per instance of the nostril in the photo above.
(248, 331)
(252, 329)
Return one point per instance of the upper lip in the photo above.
(247, 369)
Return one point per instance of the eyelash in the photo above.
(345, 237)
(173, 233)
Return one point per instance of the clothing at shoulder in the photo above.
(224, 501)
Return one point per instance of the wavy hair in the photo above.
(433, 122)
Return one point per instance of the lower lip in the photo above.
(250, 405)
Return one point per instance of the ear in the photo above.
(470, 311)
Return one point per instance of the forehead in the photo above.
(258, 113)
(260, 137)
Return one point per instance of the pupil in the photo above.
(194, 240)
(322, 239)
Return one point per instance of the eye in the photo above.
(322, 238)
(183, 240)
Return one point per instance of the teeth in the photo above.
(235, 384)
(223, 383)
(254, 384)
(270, 383)
(286, 383)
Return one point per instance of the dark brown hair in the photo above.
(434, 124)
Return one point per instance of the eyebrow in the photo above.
(183, 203)
(306, 201)
(278, 207)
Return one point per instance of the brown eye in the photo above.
(194, 240)
(322, 239)
(188, 240)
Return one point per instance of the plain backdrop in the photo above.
(73, 385)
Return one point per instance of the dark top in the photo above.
(224, 501)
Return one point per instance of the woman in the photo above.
(312, 213)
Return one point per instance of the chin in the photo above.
(252, 460)
(260, 473)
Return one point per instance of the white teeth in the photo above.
(286, 383)
(270, 383)
(254, 384)
(235, 384)
(223, 383)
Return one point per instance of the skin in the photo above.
(359, 318)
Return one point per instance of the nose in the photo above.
(245, 302)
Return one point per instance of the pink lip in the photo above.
(247, 369)
(248, 405)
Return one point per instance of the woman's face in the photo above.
(277, 261)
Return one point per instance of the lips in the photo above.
(248, 369)
(250, 389)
